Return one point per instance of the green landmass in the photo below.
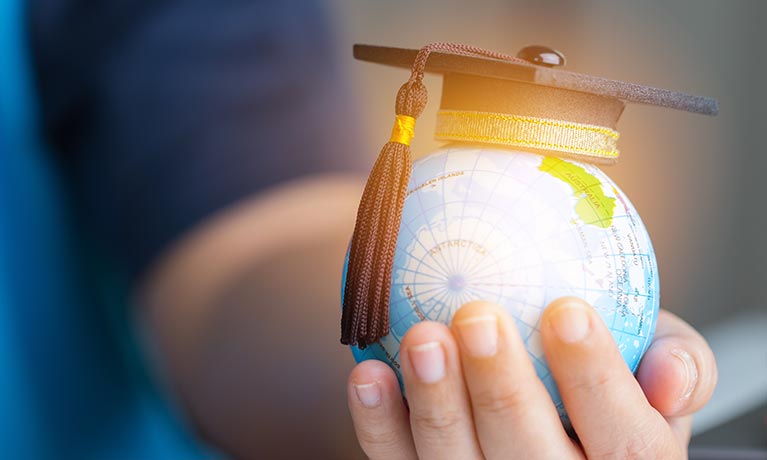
(593, 206)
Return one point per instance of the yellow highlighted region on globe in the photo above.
(593, 206)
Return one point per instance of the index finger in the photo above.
(605, 403)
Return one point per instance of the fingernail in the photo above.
(690, 371)
(369, 394)
(571, 322)
(479, 334)
(428, 361)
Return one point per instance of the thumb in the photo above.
(678, 372)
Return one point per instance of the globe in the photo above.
(519, 229)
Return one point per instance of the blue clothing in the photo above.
(151, 116)
(66, 388)
(166, 111)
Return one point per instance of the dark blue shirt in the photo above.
(123, 125)
(164, 112)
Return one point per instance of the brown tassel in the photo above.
(366, 295)
(365, 318)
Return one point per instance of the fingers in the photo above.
(678, 373)
(504, 408)
(605, 403)
(378, 412)
(513, 413)
(440, 414)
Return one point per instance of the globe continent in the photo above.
(520, 230)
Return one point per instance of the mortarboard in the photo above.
(521, 101)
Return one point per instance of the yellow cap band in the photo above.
(403, 130)
(577, 139)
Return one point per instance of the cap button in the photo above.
(542, 55)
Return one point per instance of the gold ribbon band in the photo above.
(530, 132)
(403, 130)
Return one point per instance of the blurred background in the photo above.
(165, 115)
(697, 181)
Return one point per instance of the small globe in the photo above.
(520, 230)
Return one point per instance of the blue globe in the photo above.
(519, 229)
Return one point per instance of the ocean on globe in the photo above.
(519, 229)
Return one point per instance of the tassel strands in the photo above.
(365, 318)
(366, 295)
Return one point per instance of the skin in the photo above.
(241, 318)
(221, 306)
(488, 403)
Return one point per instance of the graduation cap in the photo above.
(521, 101)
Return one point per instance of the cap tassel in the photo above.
(366, 295)
(365, 318)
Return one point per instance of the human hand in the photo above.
(473, 392)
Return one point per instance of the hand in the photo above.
(473, 392)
